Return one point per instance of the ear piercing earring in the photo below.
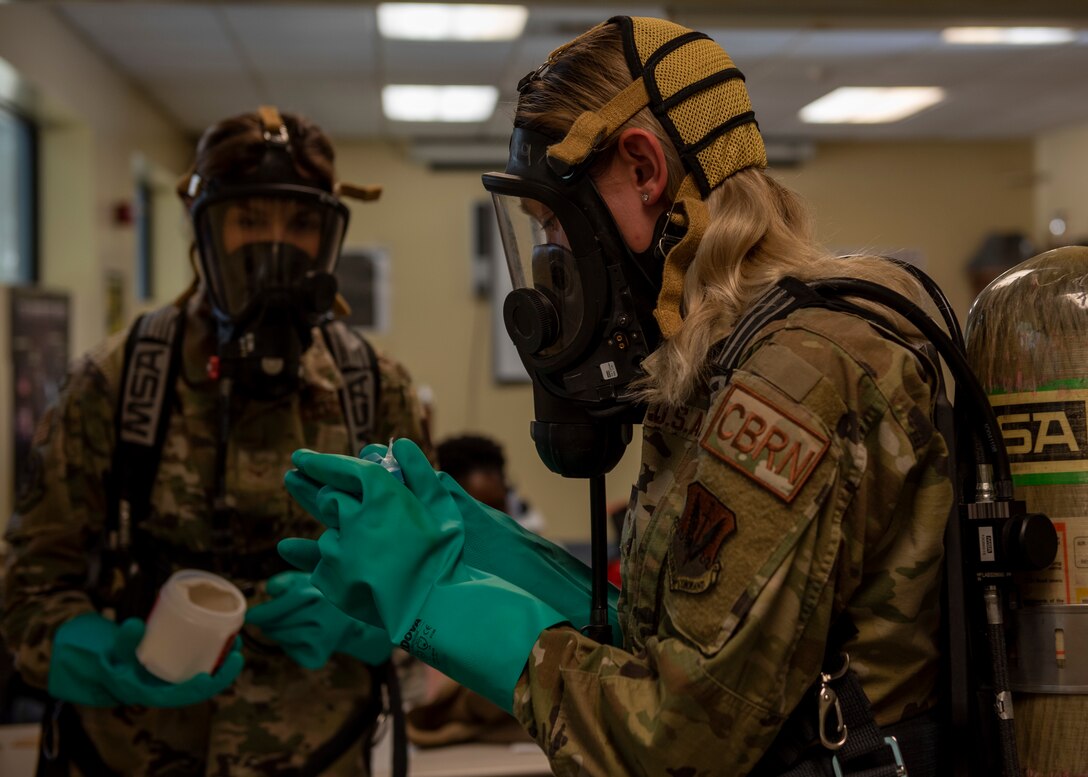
(645, 196)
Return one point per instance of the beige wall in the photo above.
(940, 199)
(94, 126)
(1061, 161)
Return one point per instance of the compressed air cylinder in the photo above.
(1027, 340)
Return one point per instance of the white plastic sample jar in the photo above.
(192, 625)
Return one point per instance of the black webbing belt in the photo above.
(866, 750)
(65, 741)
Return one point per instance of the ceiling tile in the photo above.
(316, 39)
(343, 107)
(856, 44)
(156, 40)
(746, 45)
(203, 61)
(442, 62)
(201, 101)
(572, 20)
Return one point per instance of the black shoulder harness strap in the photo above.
(786, 296)
(783, 298)
(360, 382)
(145, 401)
(151, 364)
(148, 380)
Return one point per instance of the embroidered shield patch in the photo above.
(693, 555)
(770, 446)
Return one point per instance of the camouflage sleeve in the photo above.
(748, 557)
(399, 411)
(58, 516)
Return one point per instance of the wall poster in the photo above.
(39, 361)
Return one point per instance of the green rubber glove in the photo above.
(494, 542)
(310, 629)
(394, 558)
(94, 663)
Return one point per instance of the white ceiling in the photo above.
(203, 61)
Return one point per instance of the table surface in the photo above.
(523, 759)
(18, 757)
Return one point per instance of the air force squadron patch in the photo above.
(697, 540)
(771, 447)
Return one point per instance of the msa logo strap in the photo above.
(152, 356)
(147, 378)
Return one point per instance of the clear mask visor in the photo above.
(256, 244)
(538, 256)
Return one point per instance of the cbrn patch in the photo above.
(767, 444)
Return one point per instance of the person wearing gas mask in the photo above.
(166, 450)
(781, 554)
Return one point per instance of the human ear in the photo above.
(643, 160)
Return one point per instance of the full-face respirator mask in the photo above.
(268, 240)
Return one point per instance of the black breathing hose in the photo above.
(993, 448)
(598, 628)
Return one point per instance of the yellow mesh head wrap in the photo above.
(698, 95)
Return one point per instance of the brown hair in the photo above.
(237, 144)
(759, 230)
(586, 76)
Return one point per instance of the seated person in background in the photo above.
(478, 464)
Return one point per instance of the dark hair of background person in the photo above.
(458, 456)
(478, 465)
(237, 144)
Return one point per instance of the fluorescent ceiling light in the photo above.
(1014, 36)
(436, 21)
(870, 104)
(439, 103)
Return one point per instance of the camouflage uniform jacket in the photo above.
(813, 483)
(276, 713)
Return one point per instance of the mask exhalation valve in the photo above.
(530, 319)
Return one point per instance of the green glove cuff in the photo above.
(480, 632)
(369, 644)
(497, 544)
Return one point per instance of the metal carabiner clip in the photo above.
(827, 703)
